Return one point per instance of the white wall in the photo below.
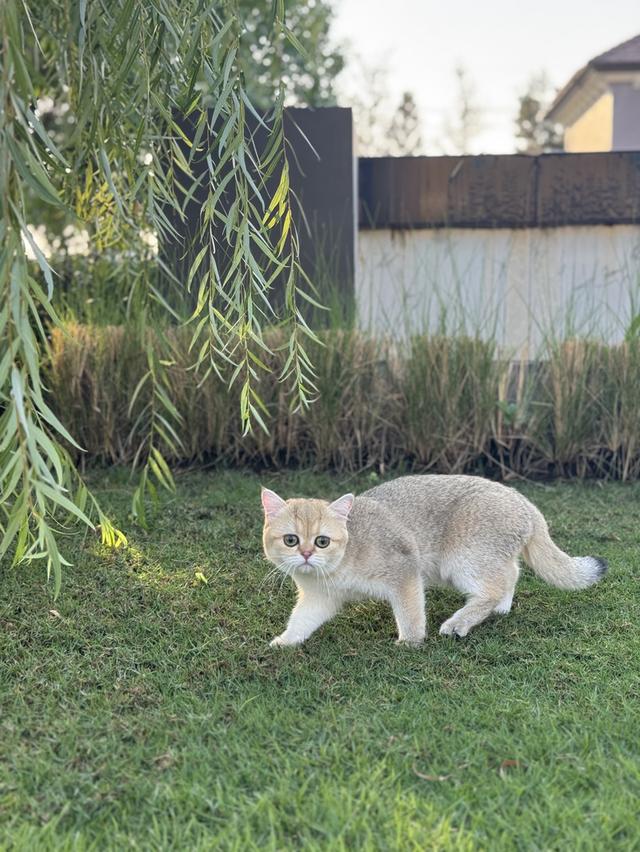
(518, 283)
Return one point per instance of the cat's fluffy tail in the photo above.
(556, 567)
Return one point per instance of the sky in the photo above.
(501, 43)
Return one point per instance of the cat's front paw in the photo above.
(283, 641)
(454, 628)
(416, 642)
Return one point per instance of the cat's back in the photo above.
(429, 516)
(408, 492)
(441, 498)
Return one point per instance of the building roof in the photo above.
(623, 57)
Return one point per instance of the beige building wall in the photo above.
(593, 131)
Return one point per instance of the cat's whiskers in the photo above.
(286, 568)
(326, 576)
(280, 571)
(271, 574)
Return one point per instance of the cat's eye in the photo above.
(322, 541)
(290, 540)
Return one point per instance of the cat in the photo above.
(413, 532)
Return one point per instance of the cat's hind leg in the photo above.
(472, 613)
(489, 591)
(504, 606)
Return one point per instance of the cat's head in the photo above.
(306, 536)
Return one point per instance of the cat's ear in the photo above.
(342, 506)
(271, 503)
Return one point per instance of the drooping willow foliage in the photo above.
(128, 75)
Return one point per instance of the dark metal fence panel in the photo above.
(321, 174)
(322, 178)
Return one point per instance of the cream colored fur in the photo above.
(414, 532)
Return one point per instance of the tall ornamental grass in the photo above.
(437, 403)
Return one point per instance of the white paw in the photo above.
(453, 627)
(283, 642)
(410, 643)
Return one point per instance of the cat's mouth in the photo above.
(308, 564)
(312, 565)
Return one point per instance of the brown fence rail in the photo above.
(510, 191)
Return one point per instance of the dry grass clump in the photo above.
(588, 421)
(94, 371)
(620, 423)
(92, 374)
(450, 388)
(444, 404)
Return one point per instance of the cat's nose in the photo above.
(306, 553)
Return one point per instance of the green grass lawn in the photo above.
(144, 709)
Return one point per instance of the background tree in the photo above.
(466, 122)
(307, 67)
(366, 91)
(404, 136)
(535, 133)
(380, 130)
(123, 73)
